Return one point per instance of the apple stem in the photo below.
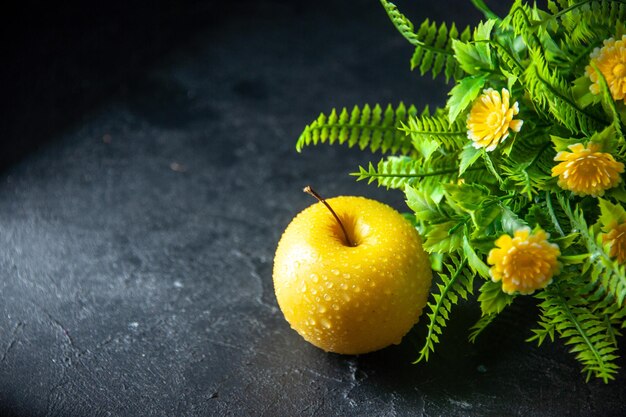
(319, 198)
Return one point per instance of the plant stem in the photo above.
(319, 198)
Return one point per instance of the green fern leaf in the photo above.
(609, 273)
(528, 168)
(492, 299)
(568, 313)
(588, 20)
(366, 127)
(552, 93)
(610, 104)
(401, 171)
(482, 323)
(433, 43)
(437, 128)
(457, 282)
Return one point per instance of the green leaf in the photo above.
(364, 126)
(426, 147)
(423, 204)
(402, 171)
(468, 156)
(561, 144)
(474, 58)
(568, 311)
(474, 260)
(566, 241)
(463, 94)
(438, 238)
(611, 213)
(492, 299)
(480, 326)
(435, 129)
(456, 281)
(511, 78)
(433, 43)
(574, 259)
(511, 221)
(607, 139)
(483, 30)
(581, 93)
(468, 197)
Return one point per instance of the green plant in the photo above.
(518, 180)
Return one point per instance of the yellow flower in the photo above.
(585, 171)
(611, 61)
(491, 118)
(617, 238)
(524, 263)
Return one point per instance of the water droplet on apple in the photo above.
(314, 278)
(335, 307)
(346, 276)
(303, 287)
(313, 290)
(321, 309)
(327, 297)
(326, 323)
(356, 288)
(343, 286)
(329, 284)
(334, 271)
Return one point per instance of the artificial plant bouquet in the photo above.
(518, 180)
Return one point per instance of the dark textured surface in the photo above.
(137, 244)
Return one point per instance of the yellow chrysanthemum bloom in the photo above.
(616, 236)
(611, 61)
(586, 171)
(490, 119)
(525, 262)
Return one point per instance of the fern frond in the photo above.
(436, 128)
(610, 103)
(435, 52)
(611, 274)
(456, 282)
(433, 43)
(520, 20)
(565, 311)
(528, 168)
(366, 127)
(399, 171)
(588, 20)
(551, 92)
(480, 326)
(508, 57)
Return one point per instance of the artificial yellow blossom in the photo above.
(586, 171)
(490, 119)
(611, 62)
(525, 262)
(616, 236)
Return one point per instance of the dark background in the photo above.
(147, 170)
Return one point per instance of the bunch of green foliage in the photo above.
(464, 198)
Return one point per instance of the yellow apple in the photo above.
(355, 292)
